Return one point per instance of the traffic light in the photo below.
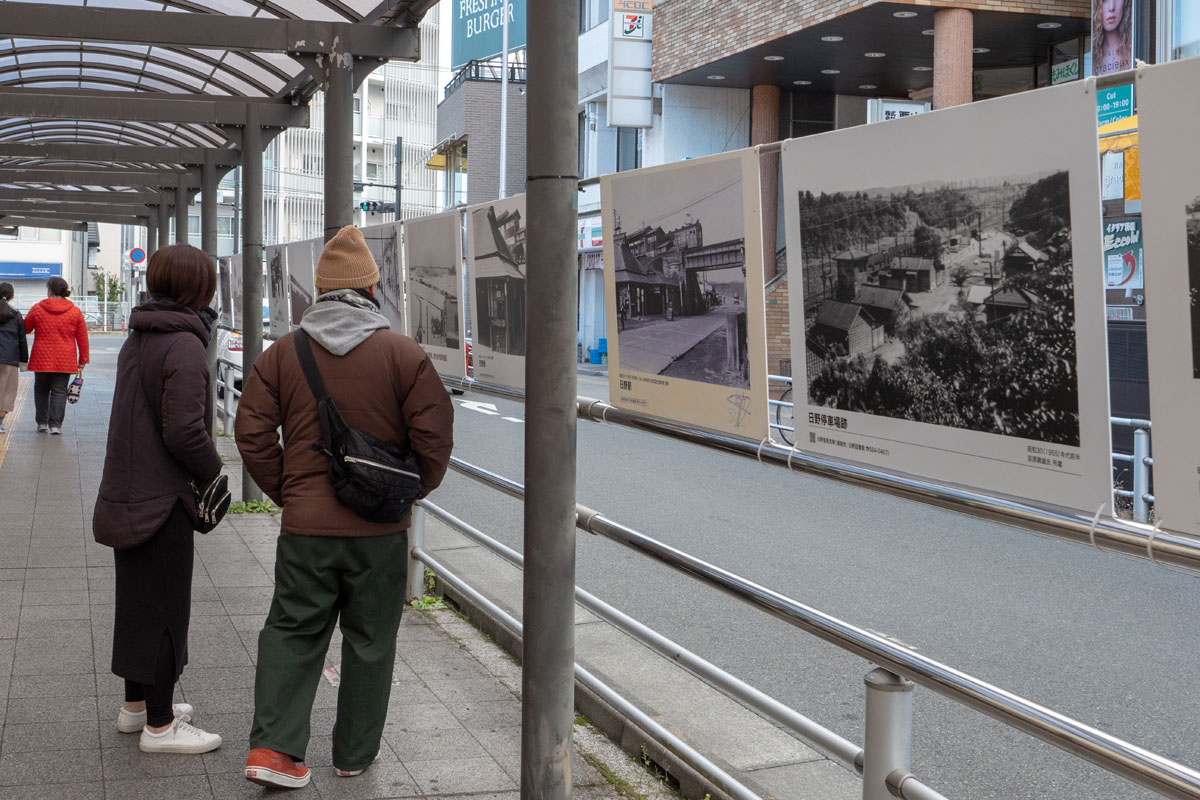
(376, 207)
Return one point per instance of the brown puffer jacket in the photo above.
(386, 387)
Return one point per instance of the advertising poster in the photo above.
(1112, 36)
(235, 272)
(939, 326)
(225, 291)
(1171, 220)
(1123, 259)
(432, 259)
(275, 258)
(683, 286)
(477, 29)
(384, 243)
(301, 262)
(496, 276)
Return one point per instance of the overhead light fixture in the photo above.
(981, 50)
(802, 83)
(772, 58)
(831, 38)
(1049, 26)
(868, 86)
(904, 14)
(922, 69)
(874, 55)
(831, 71)
(716, 77)
(928, 32)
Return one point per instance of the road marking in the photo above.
(13, 417)
(482, 408)
(512, 419)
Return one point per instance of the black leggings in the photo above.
(157, 695)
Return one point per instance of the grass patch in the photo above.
(624, 788)
(253, 507)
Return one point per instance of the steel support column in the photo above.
(252, 260)
(552, 156)
(164, 219)
(339, 144)
(208, 243)
(181, 215)
(152, 232)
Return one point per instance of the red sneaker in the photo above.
(269, 768)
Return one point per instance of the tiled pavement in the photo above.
(453, 717)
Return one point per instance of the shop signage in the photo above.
(630, 93)
(477, 30)
(29, 269)
(1064, 72)
(1123, 260)
(1114, 104)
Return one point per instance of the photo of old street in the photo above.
(1193, 256)
(433, 285)
(681, 277)
(499, 273)
(948, 304)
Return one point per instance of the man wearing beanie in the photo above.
(331, 565)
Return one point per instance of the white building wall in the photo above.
(697, 121)
(61, 251)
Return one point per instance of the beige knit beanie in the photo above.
(346, 262)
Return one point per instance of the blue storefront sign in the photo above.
(18, 270)
(476, 33)
(1114, 104)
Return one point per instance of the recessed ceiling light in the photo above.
(981, 50)
(1049, 26)
(904, 14)
(802, 83)
(868, 86)
(928, 32)
(772, 58)
(716, 77)
(874, 55)
(830, 71)
(922, 69)
(831, 38)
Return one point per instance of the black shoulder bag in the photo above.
(372, 478)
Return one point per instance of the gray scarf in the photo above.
(341, 320)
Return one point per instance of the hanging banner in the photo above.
(301, 263)
(630, 90)
(277, 290)
(939, 326)
(433, 258)
(384, 244)
(1123, 255)
(1170, 166)
(496, 276)
(477, 30)
(683, 280)
(236, 287)
(1112, 36)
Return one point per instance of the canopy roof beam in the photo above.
(215, 31)
(147, 106)
(97, 176)
(37, 195)
(54, 224)
(81, 209)
(38, 220)
(74, 151)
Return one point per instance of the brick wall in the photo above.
(779, 330)
(474, 109)
(692, 33)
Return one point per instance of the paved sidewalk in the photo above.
(454, 715)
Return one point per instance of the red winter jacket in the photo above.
(57, 327)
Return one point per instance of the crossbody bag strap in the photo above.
(316, 384)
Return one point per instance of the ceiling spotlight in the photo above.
(802, 83)
(716, 77)
(874, 55)
(981, 50)
(1049, 26)
(772, 58)
(928, 32)
(868, 86)
(830, 71)
(904, 14)
(922, 69)
(831, 38)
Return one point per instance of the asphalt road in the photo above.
(1108, 640)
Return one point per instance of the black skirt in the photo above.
(153, 599)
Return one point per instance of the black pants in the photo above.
(50, 397)
(158, 695)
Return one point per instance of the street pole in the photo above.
(504, 106)
(548, 647)
(164, 219)
(208, 243)
(399, 175)
(339, 144)
(252, 261)
(181, 214)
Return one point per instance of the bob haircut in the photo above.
(58, 287)
(183, 273)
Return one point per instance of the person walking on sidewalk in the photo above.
(60, 349)
(332, 565)
(158, 446)
(14, 351)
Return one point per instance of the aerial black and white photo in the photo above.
(382, 240)
(224, 279)
(277, 294)
(301, 283)
(432, 253)
(949, 303)
(679, 258)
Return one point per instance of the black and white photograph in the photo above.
(433, 260)
(383, 242)
(301, 264)
(278, 298)
(236, 285)
(1193, 262)
(496, 245)
(945, 297)
(226, 291)
(945, 303)
(683, 272)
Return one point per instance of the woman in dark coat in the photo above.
(158, 443)
(14, 351)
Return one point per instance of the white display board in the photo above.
(1170, 163)
(301, 263)
(225, 291)
(384, 243)
(433, 267)
(939, 324)
(683, 273)
(496, 275)
(275, 258)
(236, 285)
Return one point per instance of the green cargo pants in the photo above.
(317, 580)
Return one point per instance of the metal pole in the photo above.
(504, 105)
(252, 260)
(399, 175)
(1141, 475)
(416, 541)
(208, 243)
(152, 233)
(181, 214)
(164, 219)
(548, 647)
(889, 731)
(339, 144)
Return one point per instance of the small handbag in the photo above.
(74, 390)
(212, 502)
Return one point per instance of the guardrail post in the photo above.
(888, 744)
(228, 413)
(1141, 475)
(416, 570)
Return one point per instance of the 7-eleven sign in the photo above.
(633, 26)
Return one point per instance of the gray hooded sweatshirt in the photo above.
(341, 320)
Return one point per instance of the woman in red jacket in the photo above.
(58, 329)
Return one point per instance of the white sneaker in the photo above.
(181, 737)
(129, 722)
(43, 428)
(56, 431)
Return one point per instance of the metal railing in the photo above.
(490, 71)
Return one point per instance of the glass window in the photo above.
(49, 235)
(28, 234)
(1002, 81)
(1185, 28)
(629, 149)
(225, 227)
(373, 170)
(193, 226)
(583, 144)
